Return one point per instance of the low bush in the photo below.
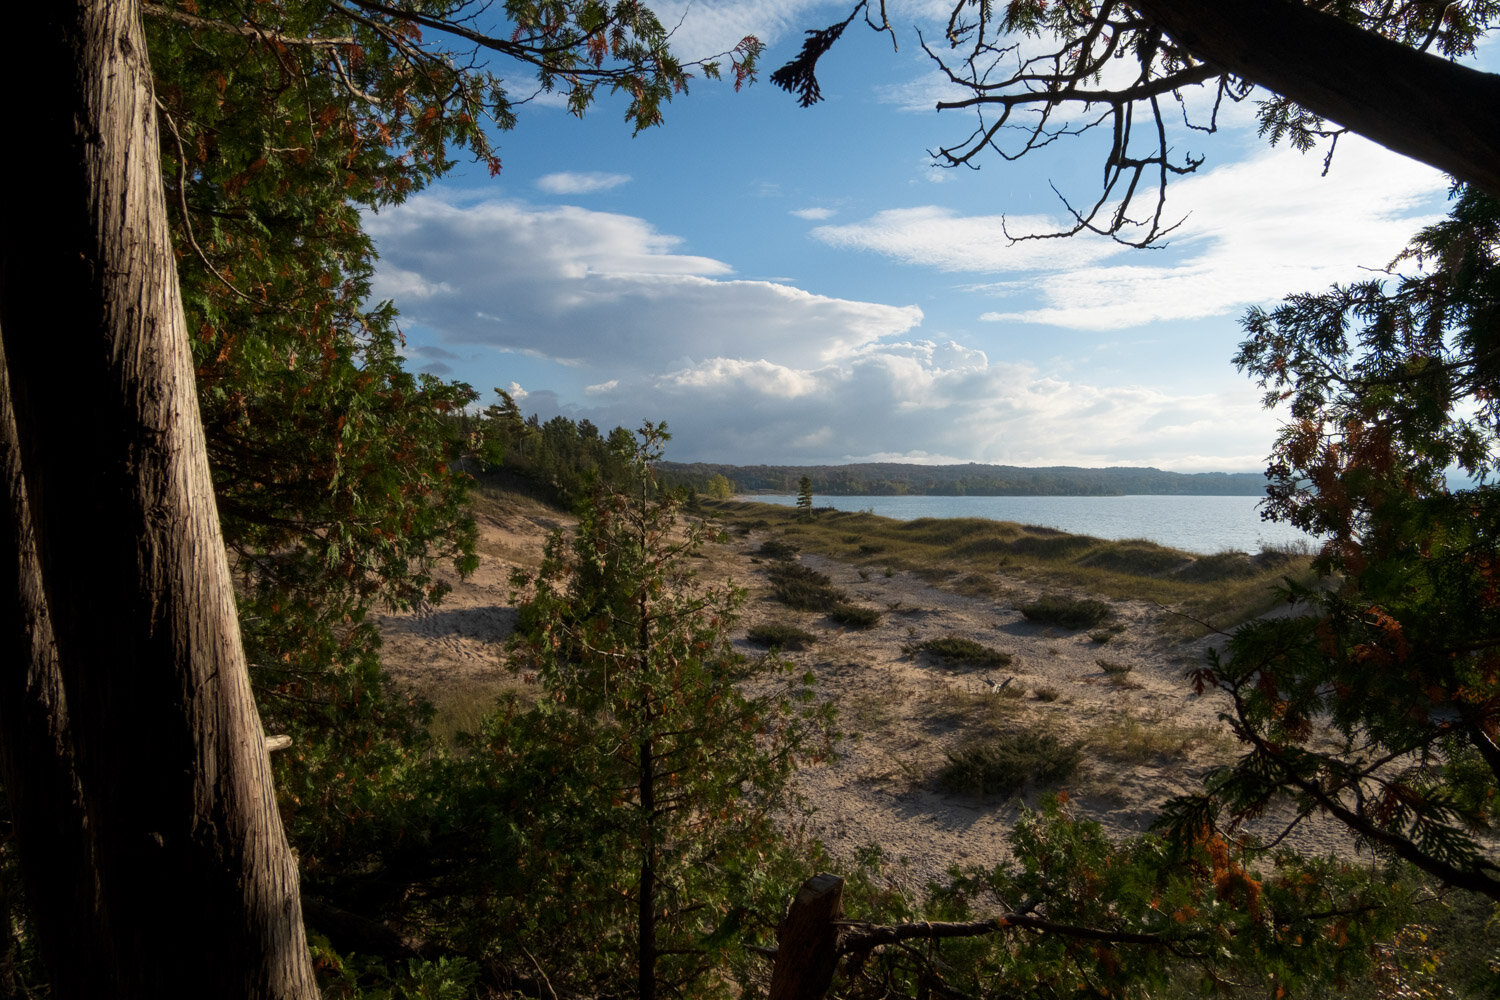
(802, 588)
(854, 616)
(1006, 764)
(780, 636)
(1103, 635)
(775, 548)
(1067, 612)
(953, 649)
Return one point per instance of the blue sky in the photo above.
(788, 285)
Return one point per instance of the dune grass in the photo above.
(970, 553)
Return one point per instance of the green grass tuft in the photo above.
(1066, 612)
(1006, 764)
(854, 616)
(780, 636)
(953, 649)
(804, 589)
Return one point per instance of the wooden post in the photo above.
(807, 941)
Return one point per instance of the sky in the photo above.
(804, 286)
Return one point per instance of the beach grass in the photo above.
(980, 556)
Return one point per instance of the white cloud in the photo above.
(813, 214)
(941, 238)
(760, 371)
(1259, 230)
(707, 27)
(921, 94)
(1254, 231)
(580, 183)
(587, 287)
(923, 401)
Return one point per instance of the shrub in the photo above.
(802, 588)
(1046, 694)
(1006, 764)
(953, 649)
(854, 616)
(780, 636)
(1067, 612)
(1119, 674)
(775, 548)
(1103, 635)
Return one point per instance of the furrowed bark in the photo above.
(150, 842)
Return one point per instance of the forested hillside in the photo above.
(894, 479)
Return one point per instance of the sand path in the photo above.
(1145, 735)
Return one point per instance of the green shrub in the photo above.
(780, 636)
(802, 588)
(953, 649)
(1103, 635)
(1006, 764)
(1067, 612)
(775, 548)
(854, 616)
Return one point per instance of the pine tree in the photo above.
(678, 751)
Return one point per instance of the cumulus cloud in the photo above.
(761, 371)
(1253, 231)
(941, 238)
(925, 401)
(1257, 231)
(578, 286)
(580, 183)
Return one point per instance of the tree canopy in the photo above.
(279, 123)
(1379, 703)
(1137, 84)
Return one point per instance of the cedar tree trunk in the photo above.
(1418, 104)
(153, 856)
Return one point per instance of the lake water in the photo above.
(1193, 523)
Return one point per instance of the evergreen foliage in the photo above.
(1379, 702)
(563, 458)
(662, 753)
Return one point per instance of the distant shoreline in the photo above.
(889, 479)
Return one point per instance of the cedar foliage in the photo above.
(1388, 385)
(679, 751)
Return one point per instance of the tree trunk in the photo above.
(153, 855)
(1412, 102)
(807, 942)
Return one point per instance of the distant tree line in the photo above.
(560, 457)
(896, 479)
